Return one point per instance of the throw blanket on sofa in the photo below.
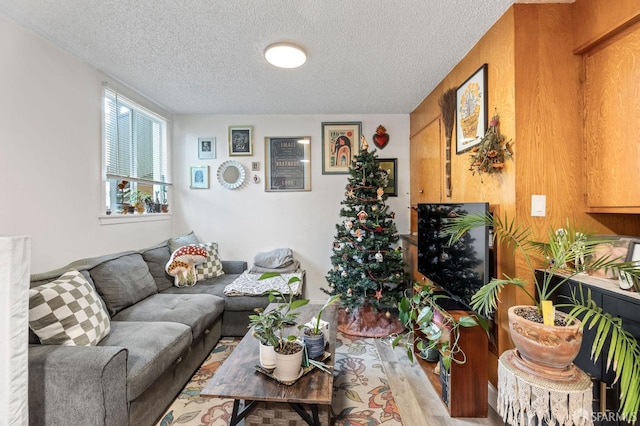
(248, 284)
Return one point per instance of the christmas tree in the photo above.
(367, 269)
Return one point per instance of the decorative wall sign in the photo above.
(240, 140)
(288, 163)
(199, 177)
(471, 110)
(390, 165)
(340, 144)
(206, 148)
(381, 138)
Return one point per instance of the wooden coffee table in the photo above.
(237, 377)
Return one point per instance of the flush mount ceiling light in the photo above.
(285, 55)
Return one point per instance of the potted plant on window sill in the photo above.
(567, 253)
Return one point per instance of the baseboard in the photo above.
(493, 397)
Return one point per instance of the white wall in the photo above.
(50, 176)
(50, 150)
(249, 220)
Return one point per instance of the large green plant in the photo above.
(417, 311)
(567, 252)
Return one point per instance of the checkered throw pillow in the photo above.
(68, 311)
(212, 267)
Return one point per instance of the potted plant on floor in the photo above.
(567, 253)
(313, 334)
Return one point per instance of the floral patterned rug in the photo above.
(361, 393)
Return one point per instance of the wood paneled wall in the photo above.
(535, 84)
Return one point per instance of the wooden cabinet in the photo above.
(410, 257)
(612, 128)
(619, 303)
(467, 387)
(426, 155)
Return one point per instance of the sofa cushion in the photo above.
(152, 347)
(216, 286)
(68, 312)
(123, 281)
(184, 240)
(212, 267)
(157, 258)
(198, 311)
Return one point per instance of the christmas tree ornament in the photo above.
(358, 233)
(344, 274)
(362, 216)
(350, 292)
(387, 314)
(348, 224)
(374, 208)
(378, 294)
(380, 193)
(364, 145)
(379, 257)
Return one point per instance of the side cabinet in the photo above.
(619, 303)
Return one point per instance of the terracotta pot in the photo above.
(549, 346)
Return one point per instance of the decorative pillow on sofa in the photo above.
(68, 311)
(176, 242)
(182, 264)
(212, 267)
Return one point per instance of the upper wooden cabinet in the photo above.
(612, 127)
(426, 160)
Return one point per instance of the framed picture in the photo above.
(390, 165)
(471, 110)
(206, 148)
(287, 163)
(340, 144)
(240, 140)
(199, 177)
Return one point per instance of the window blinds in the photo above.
(135, 141)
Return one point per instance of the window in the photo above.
(135, 157)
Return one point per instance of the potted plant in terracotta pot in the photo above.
(550, 349)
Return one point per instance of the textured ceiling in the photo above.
(206, 56)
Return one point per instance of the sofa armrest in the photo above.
(234, 266)
(78, 385)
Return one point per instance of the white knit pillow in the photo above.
(68, 311)
(212, 267)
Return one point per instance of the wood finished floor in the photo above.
(417, 401)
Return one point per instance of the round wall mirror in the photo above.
(231, 174)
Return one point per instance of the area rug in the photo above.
(361, 393)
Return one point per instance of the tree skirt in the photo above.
(366, 322)
(361, 393)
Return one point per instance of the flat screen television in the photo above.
(462, 268)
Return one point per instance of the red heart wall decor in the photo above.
(381, 138)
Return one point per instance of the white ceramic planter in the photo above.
(288, 367)
(267, 357)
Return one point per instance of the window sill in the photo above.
(117, 219)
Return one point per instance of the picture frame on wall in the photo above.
(287, 164)
(206, 148)
(471, 110)
(240, 140)
(340, 144)
(199, 177)
(390, 166)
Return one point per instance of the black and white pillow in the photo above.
(212, 267)
(68, 311)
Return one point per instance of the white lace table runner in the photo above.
(525, 400)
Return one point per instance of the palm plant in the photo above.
(564, 248)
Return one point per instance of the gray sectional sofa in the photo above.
(160, 334)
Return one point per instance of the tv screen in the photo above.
(462, 268)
